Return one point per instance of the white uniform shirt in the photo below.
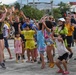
(5, 30)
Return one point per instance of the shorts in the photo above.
(6, 42)
(69, 41)
(41, 52)
(30, 44)
(49, 42)
(1, 36)
(63, 57)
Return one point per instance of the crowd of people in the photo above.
(38, 37)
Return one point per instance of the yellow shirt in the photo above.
(8, 24)
(28, 34)
(70, 29)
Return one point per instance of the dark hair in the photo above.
(63, 25)
(28, 17)
(40, 26)
(48, 24)
(16, 33)
(28, 25)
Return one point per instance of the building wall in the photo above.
(42, 5)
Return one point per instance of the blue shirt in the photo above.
(40, 41)
(24, 25)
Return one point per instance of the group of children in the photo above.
(45, 43)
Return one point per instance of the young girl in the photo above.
(18, 46)
(50, 46)
(41, 43)
(30, 43)
(63, 55)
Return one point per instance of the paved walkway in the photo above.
(14, 68)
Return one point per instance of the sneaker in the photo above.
(70, 56)
(60, 71)
(16, 61)
(51, 65)
(65, 72)
(18, 57)
(10, 57)
(4, 60)
(23, 56)
(3, 65)
(35, 60)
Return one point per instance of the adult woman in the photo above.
(69, 35)
(61, 29)
(2, 18)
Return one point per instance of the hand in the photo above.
(10, 11)
(13, 8)
(34, 20)
(21, 12)
(5, 9)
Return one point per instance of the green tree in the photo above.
(17, 5)
(32, 13)
(63, 7)
(57, 13)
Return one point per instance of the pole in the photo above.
(33, 3)
(27, 2)
(52, 7)
(21, 4)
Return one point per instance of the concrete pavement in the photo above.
(20, 68)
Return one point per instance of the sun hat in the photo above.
(61, 19)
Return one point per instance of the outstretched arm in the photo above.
(23, 14)
(48, 29)
(4, 15)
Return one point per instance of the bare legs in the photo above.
(1, 50)
(50, 56)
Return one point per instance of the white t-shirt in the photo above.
(5, 30)
(61, 47)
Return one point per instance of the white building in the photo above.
(42, 5)
(73, 6)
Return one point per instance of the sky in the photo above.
(25, 1)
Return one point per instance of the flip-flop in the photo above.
(10, 58)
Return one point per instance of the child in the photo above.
(41, 44)
(30, 43)
(49, 43)
(63, 55)
(18, 46)
(50, 46)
